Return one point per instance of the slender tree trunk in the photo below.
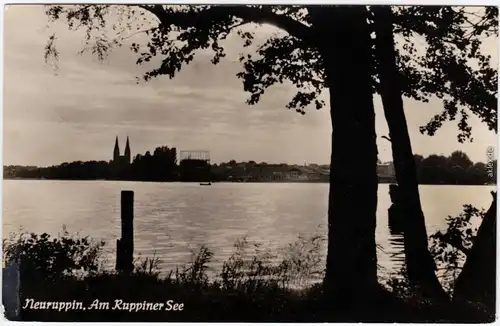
(419, 262)
(344, 42)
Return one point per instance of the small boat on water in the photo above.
(205, 183)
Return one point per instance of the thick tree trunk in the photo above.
(344, 42)
(476, 283)
(420, 265)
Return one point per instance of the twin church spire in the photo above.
(116, 152)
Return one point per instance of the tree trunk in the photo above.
(343, 39)
(420, 265)
(476, 283)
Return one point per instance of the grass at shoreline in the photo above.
(251, 287)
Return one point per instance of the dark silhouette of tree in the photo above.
(435, 167)
(477, 280)
(161, 166)
(66, 171)
(459, 158)
(342, 70)
(325, 47)
(439, 170)
(451, 67)
(478, 173)
(447, 68)
(460, 163)
(419, 263)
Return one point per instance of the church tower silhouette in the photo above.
(127, 152)
(121, 162)
(116, 151)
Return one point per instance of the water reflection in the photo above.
(173, 218)
(396, 241)
(395, 219)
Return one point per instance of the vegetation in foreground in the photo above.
(253, 284)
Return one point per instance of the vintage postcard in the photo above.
(250, 163)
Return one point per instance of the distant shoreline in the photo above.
(215, 182)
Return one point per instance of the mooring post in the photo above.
(125, 245)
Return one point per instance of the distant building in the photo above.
(287, 173)
(271, 173)
(194, 166)
(120, 163)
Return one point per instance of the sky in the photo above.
(76, 112)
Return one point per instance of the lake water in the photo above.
(172, 218)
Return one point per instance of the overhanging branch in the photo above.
(215, 14)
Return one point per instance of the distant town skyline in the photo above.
(128, 155)
(76, 114)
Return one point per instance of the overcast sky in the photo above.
(75, 114)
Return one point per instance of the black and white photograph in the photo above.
(249, 163)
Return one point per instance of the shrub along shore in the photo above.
(61, 279)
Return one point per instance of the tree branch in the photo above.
(138, 32)
(454, 242)
(214, 14)
(266, 16)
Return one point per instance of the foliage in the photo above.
(450, 64)
(250, 288)
(40, 256)
(399, 284)
(461, 160)
(450, 248)
(67, 255)
(250, 267)
(439, 49)
(303, 261)
(149, 266)
(242, 271)
(161, 166)
(195, 273)
(454, 169)
(77, 170)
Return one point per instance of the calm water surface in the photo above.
(172, 218)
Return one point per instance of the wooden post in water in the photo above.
(125, 245)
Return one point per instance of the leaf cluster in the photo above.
(450, 248)
(439, 51)
(40, 256)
